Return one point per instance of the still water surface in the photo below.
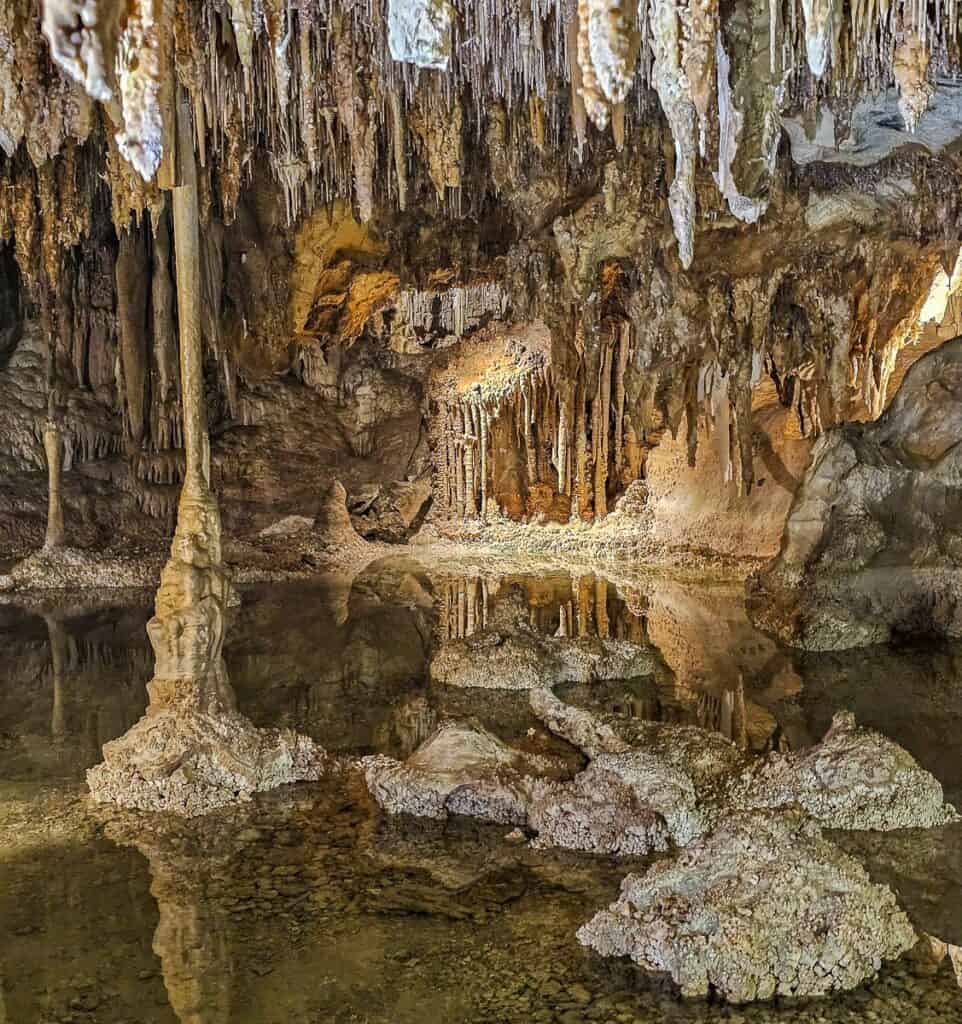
(307, 905)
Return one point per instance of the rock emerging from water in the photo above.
(193, 761)
(461, 769)
(621, 804)
(763, 906)
(525, 660)
(854, 779)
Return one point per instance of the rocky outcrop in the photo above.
(764, 906)
(621, 804)
(872, 544)
(854, 779)
(525, 660)
(461, 769)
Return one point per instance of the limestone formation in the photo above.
(193, 751)
(870, 546)
(764, 906)
(855, 779)
(523, 660)
(461, 769)
(621, 804)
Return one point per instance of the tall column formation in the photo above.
(54, 452)
(193, 751)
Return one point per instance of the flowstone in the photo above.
(763, 906)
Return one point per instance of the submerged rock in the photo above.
(461, 769)
(763, 906)
(855, 779)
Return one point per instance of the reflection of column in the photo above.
(601, 606)
(472, 603)
(192, 751)
(192, 938)
(57, 638)
(51, 444)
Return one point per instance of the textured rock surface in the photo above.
(524, 660)
(461, 769)
(622, 804)
(871, 546)
(854, 779)
(193, 751)
(764, 906)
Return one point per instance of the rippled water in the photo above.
(307, 905)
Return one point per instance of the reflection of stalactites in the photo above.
(57, 638)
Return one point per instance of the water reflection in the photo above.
(307, 904)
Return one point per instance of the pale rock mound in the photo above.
(763, 906)
(461, 769)
(622, 804)
(191, 762)
(704, 756)
(524, 660)
(854, 779)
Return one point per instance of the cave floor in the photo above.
(308, 905)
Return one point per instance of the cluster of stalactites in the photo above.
(454, 311)
(577, 437)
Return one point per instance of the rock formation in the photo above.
(502, 254)
(870, 551)
(764, 906)
(460, 770)
(193, 751)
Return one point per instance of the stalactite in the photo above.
(399, 149)
(133, 281)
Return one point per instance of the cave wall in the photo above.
(370, 205)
